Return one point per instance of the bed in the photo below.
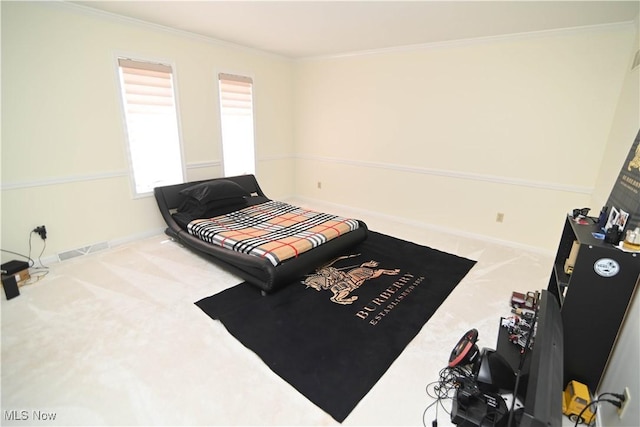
(231, 222)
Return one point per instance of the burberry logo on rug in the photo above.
(388, 299)
(342, 283)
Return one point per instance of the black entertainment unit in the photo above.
(593, 301)
(533, 376)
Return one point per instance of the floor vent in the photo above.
(83, 251)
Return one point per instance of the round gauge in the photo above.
(606, 267)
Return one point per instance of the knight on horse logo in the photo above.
(342, 283)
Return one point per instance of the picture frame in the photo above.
(622, 220)
(613, 218)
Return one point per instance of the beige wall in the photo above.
(64, 158)
(447, 135)
(450, 135)
(627, 349)
(623, 130)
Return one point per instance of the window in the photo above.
(236, 118)
(152, 124)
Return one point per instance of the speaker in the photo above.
(493, 372)
(10, 286)
(465, 352)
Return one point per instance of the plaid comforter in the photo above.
(273, 230)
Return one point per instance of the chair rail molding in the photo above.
(452, 174)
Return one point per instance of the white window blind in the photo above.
(152, 124)
(236, 117)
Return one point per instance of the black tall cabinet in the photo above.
(593, 298)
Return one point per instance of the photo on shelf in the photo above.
(614, 216)
(622, 219)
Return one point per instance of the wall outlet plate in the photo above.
(627, 399)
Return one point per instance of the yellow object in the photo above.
(570, 262)
(574, 399)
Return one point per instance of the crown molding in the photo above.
(474, 41)
(396, 49)
(114, 17)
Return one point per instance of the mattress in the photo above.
(274, 230)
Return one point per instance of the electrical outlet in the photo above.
(42, 232)
(499, 217)
(627, 398)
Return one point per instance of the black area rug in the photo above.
(334, 333)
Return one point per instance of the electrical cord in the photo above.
(44, 246)
(444, 389)
(35, 276)
(30, 261)
(617, 403)
(39, 272)
(618, 396)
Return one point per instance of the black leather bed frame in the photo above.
(255, 270)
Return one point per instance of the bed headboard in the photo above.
(169, 197)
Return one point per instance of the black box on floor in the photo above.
(10, 286)
(13, 267)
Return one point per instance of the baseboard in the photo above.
(424, 225)
(51, 259)
(97, 247)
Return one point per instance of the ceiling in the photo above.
(302, 29)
